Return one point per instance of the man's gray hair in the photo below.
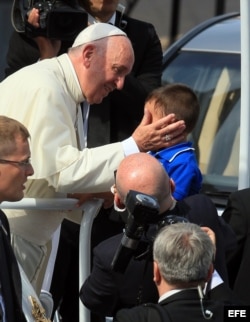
(184, 253)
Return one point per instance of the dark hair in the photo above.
(9, 130)
(178, 99)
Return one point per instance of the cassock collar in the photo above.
(71, 80)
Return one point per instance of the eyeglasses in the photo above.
(25, 163)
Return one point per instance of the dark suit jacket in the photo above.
(237, 214)
(182, 306)
(10, 279)
(200, 210)
(106, 291)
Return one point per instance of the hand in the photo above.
(33, 17)
(83, 197)
(210, 233)
(165, 132)
(48, 48)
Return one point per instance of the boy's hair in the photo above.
(9, 130)
(178, 99)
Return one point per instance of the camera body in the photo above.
(58, 19)
(143, 211)
(45, 9)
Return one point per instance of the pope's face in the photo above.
(108, 69)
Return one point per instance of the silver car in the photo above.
(208, 60)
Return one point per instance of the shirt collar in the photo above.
(172, 292)
(71, 81)
(92, 20)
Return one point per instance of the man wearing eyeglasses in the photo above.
(15, 168)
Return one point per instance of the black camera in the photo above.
(142, 209)
(143, 212)
(58, 19)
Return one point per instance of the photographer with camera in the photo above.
(107, 290)
(183, 263)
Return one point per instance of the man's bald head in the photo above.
(143, 173)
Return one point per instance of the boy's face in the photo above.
(155, 112)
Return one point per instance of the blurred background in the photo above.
(171, 18)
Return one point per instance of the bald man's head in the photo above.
(143, 173)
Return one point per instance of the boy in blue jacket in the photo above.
(179, 160)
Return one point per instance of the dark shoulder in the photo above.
(196, 201)
(201, 197)
(110, 242)
(144, 313)
(138, 22)
(242, 195)
(223, 293)
(134, 26)
(107, 248)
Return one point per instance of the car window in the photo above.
(215, 77)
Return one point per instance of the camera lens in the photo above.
(146, 200)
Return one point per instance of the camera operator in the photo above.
(105, 291)
(183, 263)
(25, 48)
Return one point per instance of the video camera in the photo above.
(143, 211)
(58, 19)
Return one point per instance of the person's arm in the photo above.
(108, 198)
(91, 170)
(210, 233)
(48, 48)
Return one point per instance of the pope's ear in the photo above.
(87, 54)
